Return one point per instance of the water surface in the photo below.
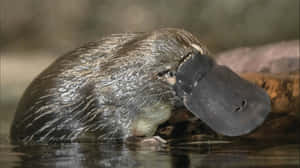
(206, 154)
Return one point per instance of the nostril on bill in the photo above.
(241, 107)
(237, 109)
(244, 103)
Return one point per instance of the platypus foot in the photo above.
(146, 141)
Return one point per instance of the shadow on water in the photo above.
(216, 155)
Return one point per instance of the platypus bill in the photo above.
(227, 103)
(126, 85)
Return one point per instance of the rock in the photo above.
(281, 57)
(283, 90)
(283, 122)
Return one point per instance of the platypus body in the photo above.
(126, 85)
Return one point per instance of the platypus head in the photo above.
(227, 103)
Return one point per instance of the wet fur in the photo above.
(99, 89)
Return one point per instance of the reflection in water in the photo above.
(76, 155)
(118, 155)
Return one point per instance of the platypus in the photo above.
(126, 85)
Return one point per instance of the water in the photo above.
(206, 154)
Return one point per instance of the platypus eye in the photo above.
(166, 73)
(163, 73)
(170, 74)
(167, 76)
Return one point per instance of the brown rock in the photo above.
(283, 90)
(283, 122)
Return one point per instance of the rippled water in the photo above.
(198, 154)
(206, 154)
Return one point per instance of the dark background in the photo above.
(59, 25)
